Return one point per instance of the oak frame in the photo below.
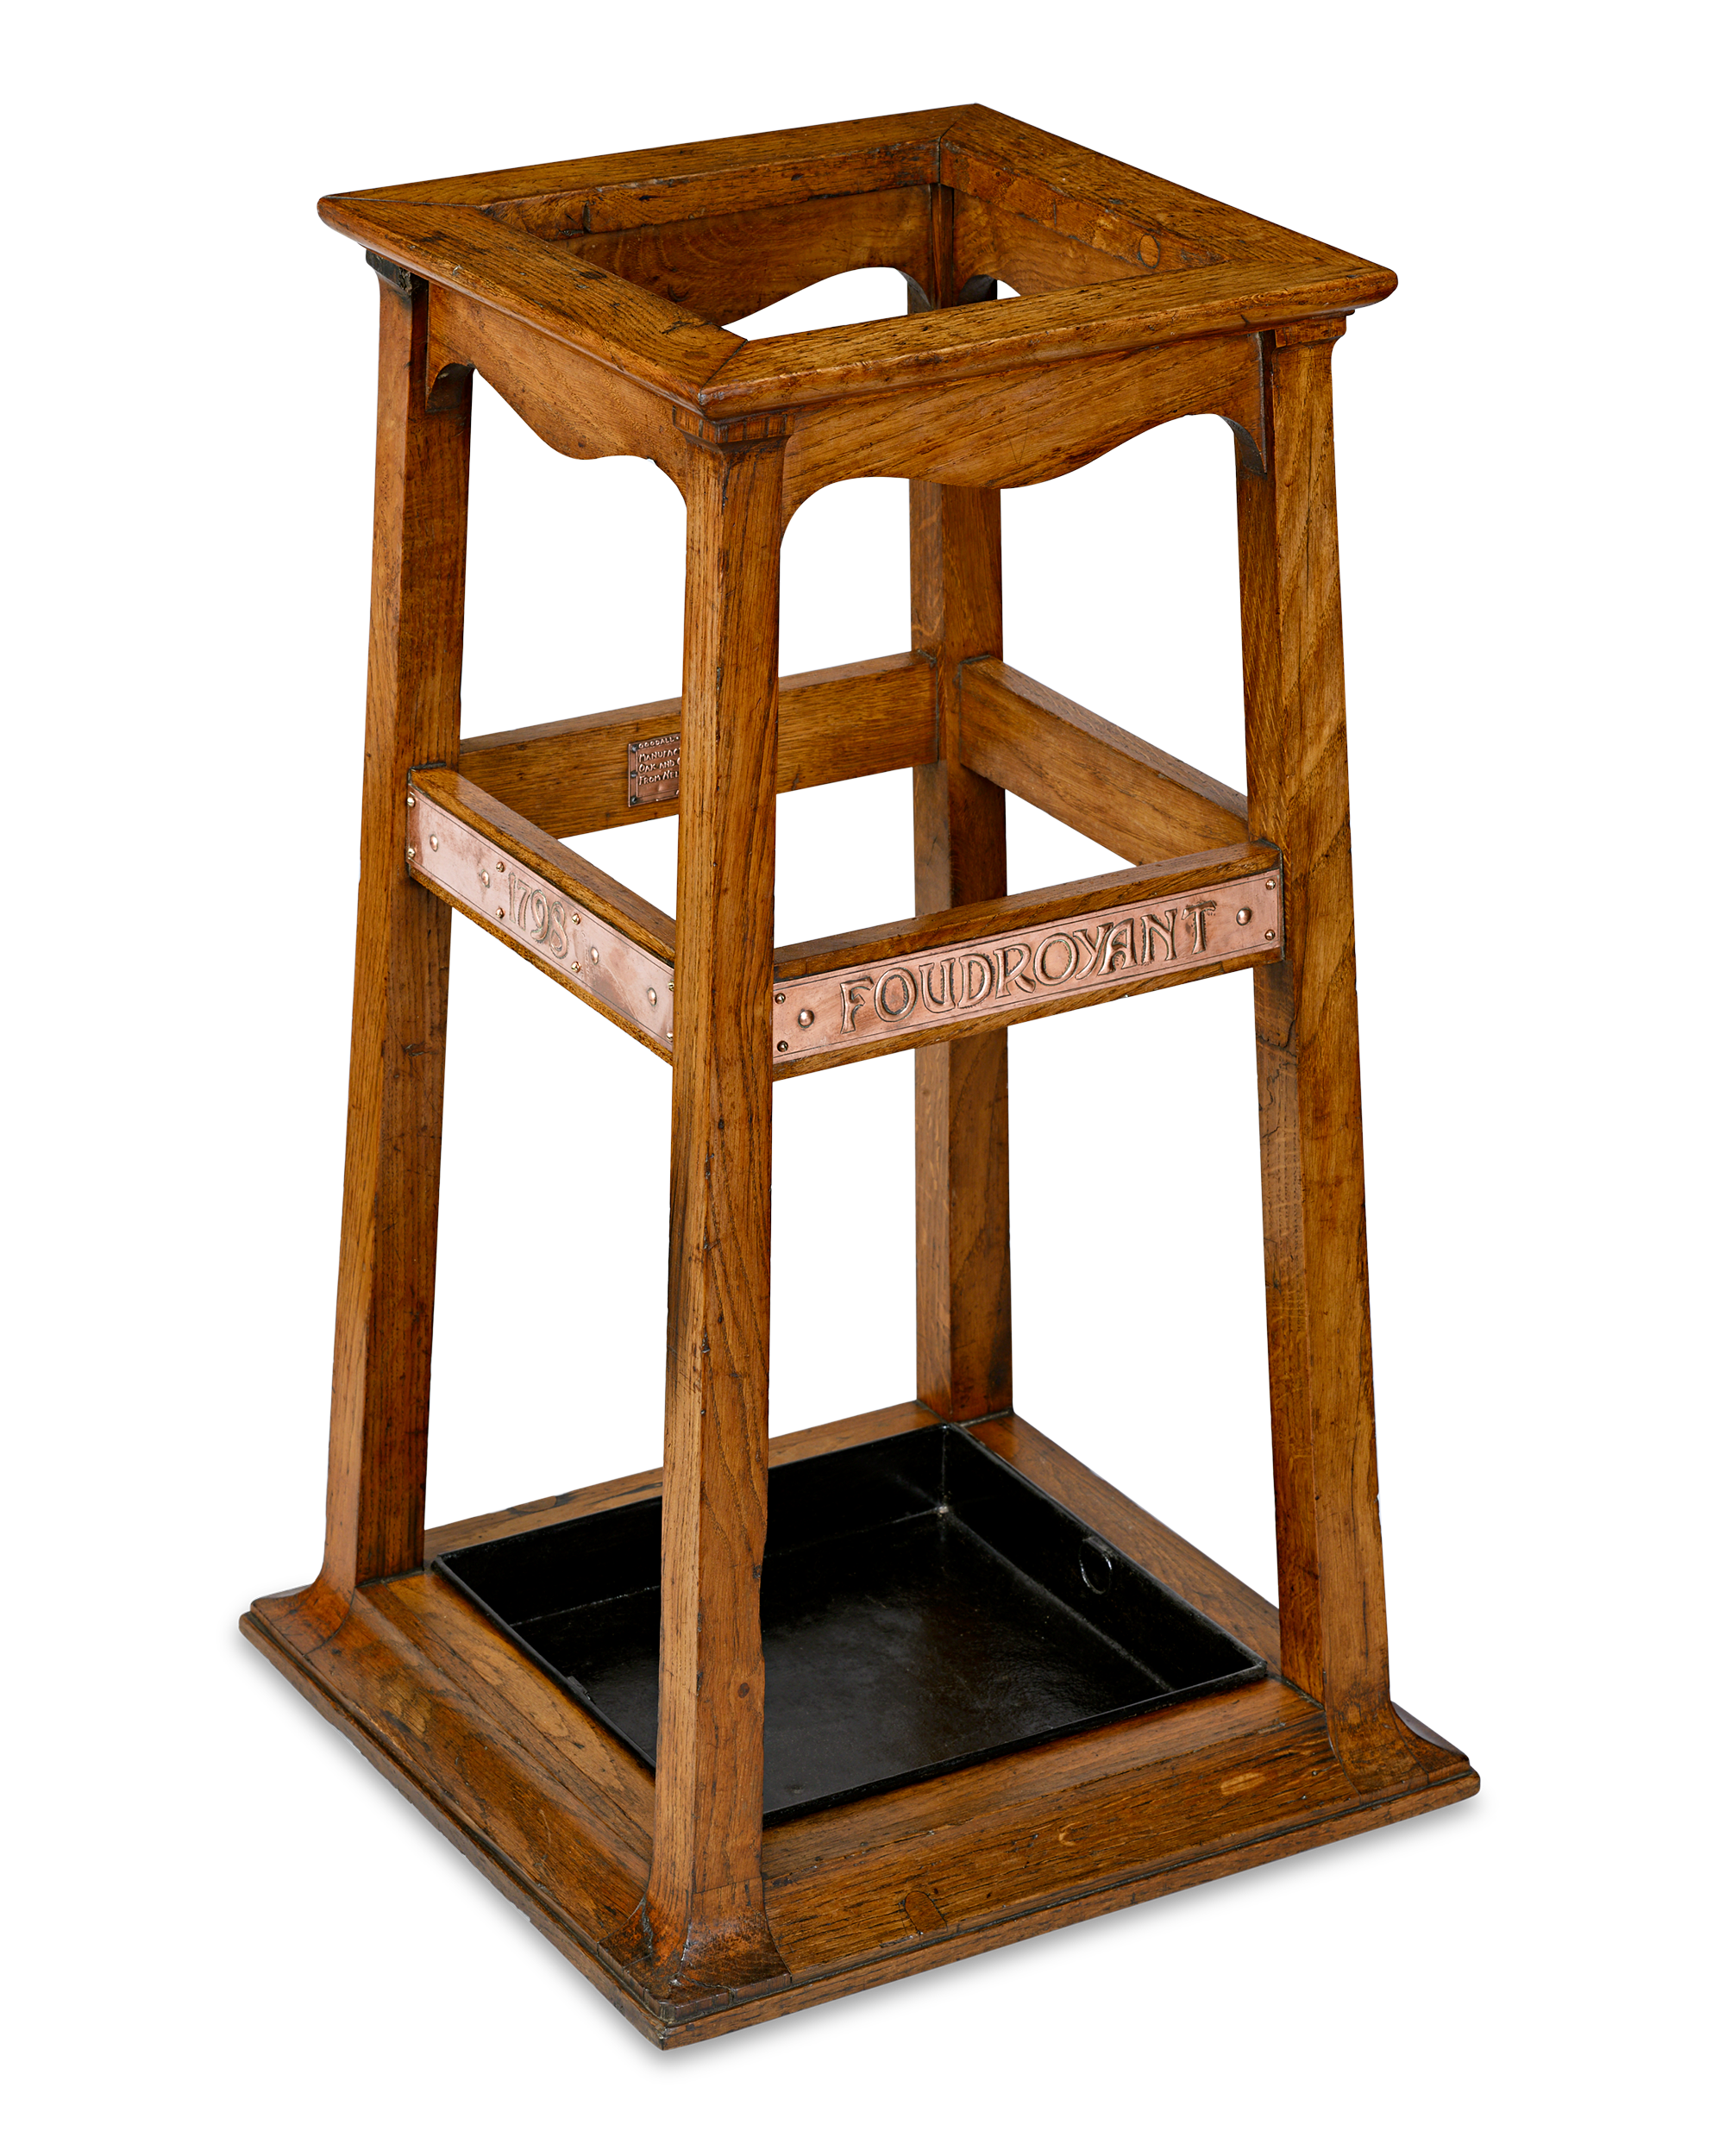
(600, 319)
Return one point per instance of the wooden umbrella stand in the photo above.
(961, 1691)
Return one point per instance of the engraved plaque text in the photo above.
(1041, 966)
(586, 953)
(654, 768)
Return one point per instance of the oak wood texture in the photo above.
(845, 722)
(559, 1816)
(1101, 779)
(704, 1927)
(620, 189)
(380, 1391)
(628, 1490)
(522, 242)
(1330, 1555)
(731, 264)
(593, 294)
(1022, 424)
(575, 402)
(1141, 888)
(964, 1305)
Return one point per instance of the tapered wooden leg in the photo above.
(1329, 1552)
(707, 1924)
(381, 1390)
(964, 1344)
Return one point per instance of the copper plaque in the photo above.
(587, 953)
(1040, 967)
(654, 768)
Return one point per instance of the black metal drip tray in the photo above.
(923, 1606)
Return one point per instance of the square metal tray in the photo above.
(923, 1606)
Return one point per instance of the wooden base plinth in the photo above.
(559, 1814)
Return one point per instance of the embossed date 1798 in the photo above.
(543, 917)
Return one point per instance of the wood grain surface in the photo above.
(557, 1813)
(1102, 780)
(635, 260)
(381, 1392)
(705, 1920)
(724, 265)
(1021, 425)
(1330, 1555)
(575, 401)
(964, 1341)
(845, 722)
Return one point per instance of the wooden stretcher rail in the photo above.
(846, 722)
(843, 998)
(590, 933)
(1103, 781)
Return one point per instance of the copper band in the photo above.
(1042, 968)
(488, 881)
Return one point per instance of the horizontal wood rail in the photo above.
(847, 721)
(591, 934)
(843, 998)
(1101, 779)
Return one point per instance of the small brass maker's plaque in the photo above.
(654, 768)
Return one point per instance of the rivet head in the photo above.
(652, 995)
(1270, 884)
(501, 914)
(1270, 936)
(434, 841)
(806, 1017)
(410, 853)
(575, 920)
(778, 999)
(1244, 915)
(413, 802)
(501, 866)
(783, 1046)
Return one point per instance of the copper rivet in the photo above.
(1270, 936)
(1270, 885)
(434, 841)
(412, 803)
(778, 999)
(783, 1046)
(501, 915)
(1244, 915)
(805, 1018)
(501, 866)
(576, 919)
(410, 853)
(652, 995)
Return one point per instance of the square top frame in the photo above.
(637, 260)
